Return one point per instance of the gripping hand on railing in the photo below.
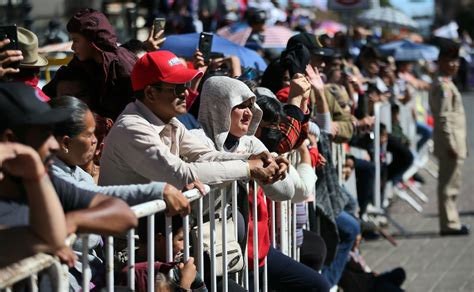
(366, 124)
(283, 165)
(66, 256)
(264, 174)
(176, 202)
(188, 273)
(274, 168)
(265, 156)
(264, 167)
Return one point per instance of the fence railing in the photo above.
(29, 268)
(287, 238)
(382, 114)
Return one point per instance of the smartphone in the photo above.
(205, 44)
(10, 32)
(159, 24)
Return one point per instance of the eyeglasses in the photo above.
(178, 89)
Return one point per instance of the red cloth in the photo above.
(191, 98)
(263, 229)
(430, 121)
(282, 95)
(33, 82)
(314, 153)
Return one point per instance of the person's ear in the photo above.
(64, 143)
(8, 136)
(148, 94)
(98, 149)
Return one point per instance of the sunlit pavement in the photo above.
(432, 262)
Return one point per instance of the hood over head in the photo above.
(95, 27)
(219, 95)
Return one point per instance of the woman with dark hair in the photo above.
(75, 135)
(77, 145)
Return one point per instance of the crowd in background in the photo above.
(122, 125)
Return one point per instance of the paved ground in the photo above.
(432, 263)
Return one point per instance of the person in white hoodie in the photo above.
(229, 117)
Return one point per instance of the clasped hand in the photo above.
(266, 168)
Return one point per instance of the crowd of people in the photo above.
(123, 125)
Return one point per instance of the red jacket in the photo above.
(263, 228)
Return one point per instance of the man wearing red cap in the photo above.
(147, 143)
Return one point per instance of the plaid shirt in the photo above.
(294, 129)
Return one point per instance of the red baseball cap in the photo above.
(160, 66)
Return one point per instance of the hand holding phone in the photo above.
(205, 45)
(156, 35)
(158, 25)
(10, 56)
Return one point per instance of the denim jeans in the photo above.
(348, 228)
(425, 132)
(286, 274)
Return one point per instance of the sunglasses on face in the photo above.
(178, 89)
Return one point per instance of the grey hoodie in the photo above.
(219, 96)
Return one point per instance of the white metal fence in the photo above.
(30, 268)
(287, 240)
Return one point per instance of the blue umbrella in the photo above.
(406, 50)
(185, 45)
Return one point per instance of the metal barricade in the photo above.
(382, 113)
(149, 209)
(29, 268)
(408, 125)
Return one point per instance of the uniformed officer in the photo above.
(450, 143)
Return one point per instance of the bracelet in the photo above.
(37, 178)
